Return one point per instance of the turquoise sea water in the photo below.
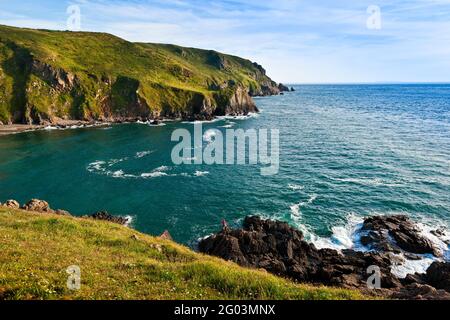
(346, 152)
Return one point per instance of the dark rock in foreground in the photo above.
(438, 275)
(283, 88)
(105, 216)
(282, 250)
(381, 229)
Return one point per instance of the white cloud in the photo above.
(297, 41)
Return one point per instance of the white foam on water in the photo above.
(406, 267)
(49, 128)
(343, 237)
(369, 182)
(130, 220)
(143, 154)
(155, 174)
(201, 173)
(296, 208)
(295, 187)
(96, 166)
(202, 121)
(243, 117)
(348, 236)
(158, 172)
(228, 125)
(441, 242)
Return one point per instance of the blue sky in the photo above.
(314, 41)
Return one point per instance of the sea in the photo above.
(345, 152)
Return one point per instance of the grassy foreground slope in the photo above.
(119, 263)
(49, 75)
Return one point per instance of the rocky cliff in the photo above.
(49, 76)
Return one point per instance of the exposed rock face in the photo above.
(166, 236)
(240, 103)
(420, 292)
(282, 250)
(49, 90)
(56, 77)
(438, 275)
(105, 216)
(37, 206)
(12, 204)
(283, 88)
(62, 213)
(405, 233)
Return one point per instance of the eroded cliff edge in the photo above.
(47, 77)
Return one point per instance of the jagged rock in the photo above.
(292, 89)
(438, 275)
(217, 60)
(418, 291)
(439, 232)
(400, 228)
(105, 216)
(38, 206)
(62, 213)
(280, 249)
(12, 204)
(283, 88)
(166, 236)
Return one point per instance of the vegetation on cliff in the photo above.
(119, 263)
(46, 76)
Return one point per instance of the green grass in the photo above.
(36, 250)
(166, 76)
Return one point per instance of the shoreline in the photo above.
(282, 250)
(12, 129)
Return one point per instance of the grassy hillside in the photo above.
(119, 263)
(50, 75)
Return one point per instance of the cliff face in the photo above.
(48, 76)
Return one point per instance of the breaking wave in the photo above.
(348, 236)
(106, 168)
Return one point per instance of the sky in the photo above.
(297, 41)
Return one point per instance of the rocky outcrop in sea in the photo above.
(282, 250)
